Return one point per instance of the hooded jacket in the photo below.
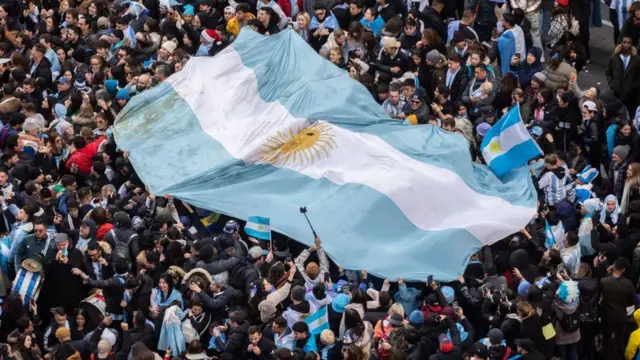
(526, 71)
(634, 340)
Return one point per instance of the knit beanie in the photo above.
(433, 56)
(622, 151)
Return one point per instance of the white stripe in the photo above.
(258, 227)
(358, 158)
(514, 135)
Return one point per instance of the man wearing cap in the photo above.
(589, 133)
(65, 349)
(417, 107)
(391, 59)
(64, 89)
(448, 349)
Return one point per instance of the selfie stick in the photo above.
(303, 211)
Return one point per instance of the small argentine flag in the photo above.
(318, 321)
(549, 237)
(508, 145)
(258, 227)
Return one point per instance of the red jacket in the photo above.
(83, 158)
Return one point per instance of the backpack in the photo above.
(121, 250)
(570, 322)
(589, 311)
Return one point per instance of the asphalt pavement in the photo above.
(602, 45)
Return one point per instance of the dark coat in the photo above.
(431, 17)
(617, 295)
(43, 70)
(113, 290)
(62, 288)
(237, 341)
(87, 267)
(624, 83)
(458, 85)
(384, 63)
(266, 347)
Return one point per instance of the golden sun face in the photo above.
(304, 146)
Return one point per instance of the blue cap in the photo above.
(123, 94)
(588, 174)
(60, 110)
(189, 10)
(111, 85)
(340, 302)
(416, 318)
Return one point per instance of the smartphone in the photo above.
(455, 306)
(429, 279)
(560, 267)
(518, 55)
(327, 277)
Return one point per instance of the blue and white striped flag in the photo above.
(258, 227)
(247, 144)
(549, 238)
(318, 321)
(27, 285)
(508, 145)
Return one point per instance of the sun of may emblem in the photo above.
(301, 147)
(494, 145)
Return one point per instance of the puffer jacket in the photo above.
(634, 340)
(555, 76)
(485, 12)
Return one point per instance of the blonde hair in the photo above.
(327, 337)
(396, 308)
(524, 308)
(487, 87)
(634, 179)
(307, 17)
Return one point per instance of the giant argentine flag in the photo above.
(507, 144)
(267, 126)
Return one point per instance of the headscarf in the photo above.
(614, 214)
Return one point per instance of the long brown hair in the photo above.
(430, 37)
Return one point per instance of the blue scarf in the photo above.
(330, 22)
(174, 295)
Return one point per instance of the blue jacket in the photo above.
(407, 298)
(376, 25)
(16, 237)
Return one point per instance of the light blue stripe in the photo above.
(20, 282)
(517, 156)
(319, 314)
(512, 118)
(32, 285)
(257, 221)
(225, 184)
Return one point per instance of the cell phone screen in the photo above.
(430, 279)
(327, 277)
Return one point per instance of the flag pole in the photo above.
(303, 211)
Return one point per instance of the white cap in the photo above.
(590, 105)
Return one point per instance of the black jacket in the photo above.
(432, 17)
(384, 63)
(87, 267)
(617, 295)
(388, 12)
(216, 305)
(458, 84)
(624, 83)
(237, 341)
(113, 290)
(43, 70)
(266, 347)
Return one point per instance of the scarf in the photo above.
(173, 295)
(614, 214)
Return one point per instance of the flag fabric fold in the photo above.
(267, 126)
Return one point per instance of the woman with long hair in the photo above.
(303, 20)
(164, 296)
(543, 108)
(25, 349)
(358, 332)
(431, 40)
(631, 191)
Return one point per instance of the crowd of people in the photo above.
(95, 266)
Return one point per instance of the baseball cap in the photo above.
(255, 252)
(230, 227)
(495, 336)
(590, 105)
